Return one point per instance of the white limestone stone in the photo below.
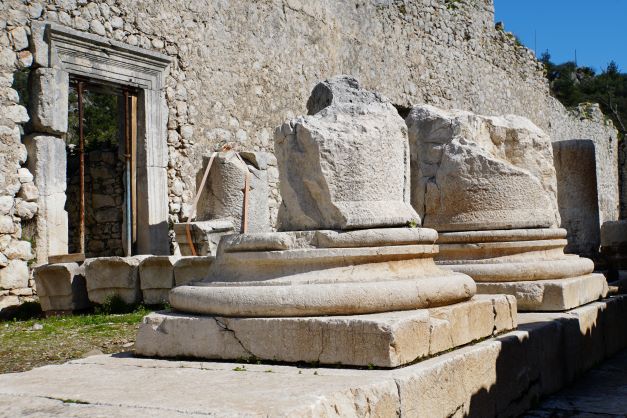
(382, 340)
(502, 376)
(472, 172)
(14, 275)
(61, 287)
(47, 162)
(191, 269)
(156, 277)
(205, 235)
(550, 295)
(346, 165)
(109, 276)
(223, 195)
(324, 273)
(25, 210)
(577, 195)
(527, 263)
(49, 100)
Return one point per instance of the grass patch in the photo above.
(25, 344)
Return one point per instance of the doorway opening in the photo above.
(101, 148)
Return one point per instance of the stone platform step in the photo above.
(502, 376)
(383, 340)
(550, 295)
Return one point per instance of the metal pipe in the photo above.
(81, 156)
(127, 156)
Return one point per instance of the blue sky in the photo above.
(597, 29)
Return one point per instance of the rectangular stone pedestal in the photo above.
(550, 295)
(383, 340)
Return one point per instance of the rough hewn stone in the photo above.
(205, 235)
(109, 276)
(472, 172)
(577, 195)
(47, 161)
(14, 275)
(49, 100)
(192, 269)
(223, 196)
(156, 277)
(346, 165)
(614, 248)
(61, 287)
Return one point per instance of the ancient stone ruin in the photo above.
(352, 268)
(140, 158)
(488, 185)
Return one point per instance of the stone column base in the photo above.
(529, 264)
(550, 295)
(389, 339)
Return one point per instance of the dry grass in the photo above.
(23, 346)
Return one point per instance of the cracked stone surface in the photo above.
(346, 164)
(384, 340)
(500, 376)
(472, 172)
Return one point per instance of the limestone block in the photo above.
(25, 210)
(39, 46)
(614, 250)
(206, 235)
(472, 172)
(47, 162)
(346, 165)
(614, 233)
(28, 192)
(108, 276)
(7, 225)
(8, 301)
(19, 250)
(6, 204)
(49, 100)
(550, 295)
(383, 340)
(156, 277)
(223, 196)
(575, 166)
(191, 269)
(61, 287)
(497, 377)
(527, 263)
(14, 275)
(24, 175)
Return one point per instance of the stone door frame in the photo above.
(66, 52)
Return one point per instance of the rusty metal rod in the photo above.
(127, 157)
(81, 156)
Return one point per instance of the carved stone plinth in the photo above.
(527, 263)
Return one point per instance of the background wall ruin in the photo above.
(239, 69)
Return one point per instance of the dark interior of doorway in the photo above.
(104, 170)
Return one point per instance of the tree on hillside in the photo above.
(572, 85)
